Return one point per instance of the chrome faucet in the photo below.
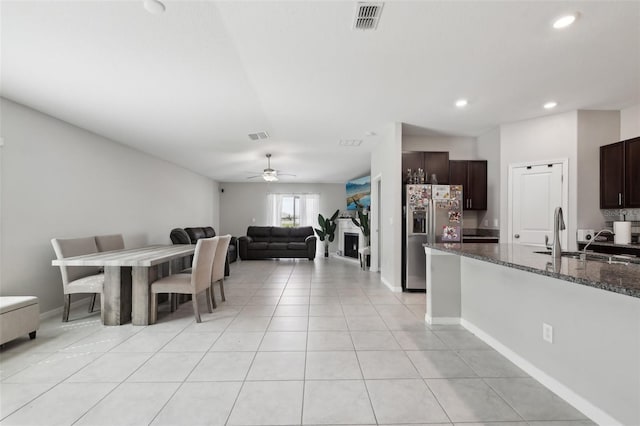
(596, 236)
(558, 225)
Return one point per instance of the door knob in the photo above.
(516, 236)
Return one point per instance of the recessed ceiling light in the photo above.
(550, 105)
(154, 6)
(565, 21)
(461, 103)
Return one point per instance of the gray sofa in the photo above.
(268, 242)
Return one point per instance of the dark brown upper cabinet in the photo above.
(413, 160)
(432, 162)
(472, 175)
(620, 174)
(437, 163)
(632, 172)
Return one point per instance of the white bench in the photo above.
(19, 315)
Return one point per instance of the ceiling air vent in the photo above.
(367, 16)
(258, 136)
(350, 142)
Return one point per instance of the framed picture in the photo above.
(359, 193)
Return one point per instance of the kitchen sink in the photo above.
(618, 259)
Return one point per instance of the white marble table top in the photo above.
(144, 256)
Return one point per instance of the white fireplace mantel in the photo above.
(347, 226)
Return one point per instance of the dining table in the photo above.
(128, 274)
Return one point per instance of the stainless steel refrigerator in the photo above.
(433, 213)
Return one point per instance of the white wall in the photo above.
(245, 204)
(62, 181)
(547, 138)
(459, 147)
(386, 163)
(630, 122)
(488, 147)
(595, 128)
(596, 344)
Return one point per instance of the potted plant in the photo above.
(363, 223)
(327, 231)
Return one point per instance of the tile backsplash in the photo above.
(632, 215)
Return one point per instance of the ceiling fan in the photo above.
(269, 174)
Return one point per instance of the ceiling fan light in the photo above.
(270, 176)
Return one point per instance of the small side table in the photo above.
(365, 255)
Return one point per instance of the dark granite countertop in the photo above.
(618, 278)
(479, 237)
(611, 244)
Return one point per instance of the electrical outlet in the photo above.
(486, 222)
(547, 333)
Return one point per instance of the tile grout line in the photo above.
(188, 374)
(248, 370)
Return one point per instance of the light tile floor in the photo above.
(296, 342)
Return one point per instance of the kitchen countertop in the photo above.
(479, 237)
(611, 244)
(618, 278)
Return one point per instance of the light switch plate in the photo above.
(547, 333)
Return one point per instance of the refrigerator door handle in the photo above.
(432, 221)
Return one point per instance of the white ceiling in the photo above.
(190, 84)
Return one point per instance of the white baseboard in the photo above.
(390, 287)
(441, 320)
(578, 402)
(74, 304)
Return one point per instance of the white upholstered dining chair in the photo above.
(217, 272)
(78, 279)
(198, 281)
(109, 242)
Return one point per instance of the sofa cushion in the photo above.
(259, 233)
(179, 236)
(297, 246)
(260, 245)
(278, 231)
(280, 234)
(195, 234)
(278, 246)
(209, 232)
(299, 234)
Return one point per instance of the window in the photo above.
(292, 210)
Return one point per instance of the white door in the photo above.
(536, 191)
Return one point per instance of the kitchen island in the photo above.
(507, 294)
